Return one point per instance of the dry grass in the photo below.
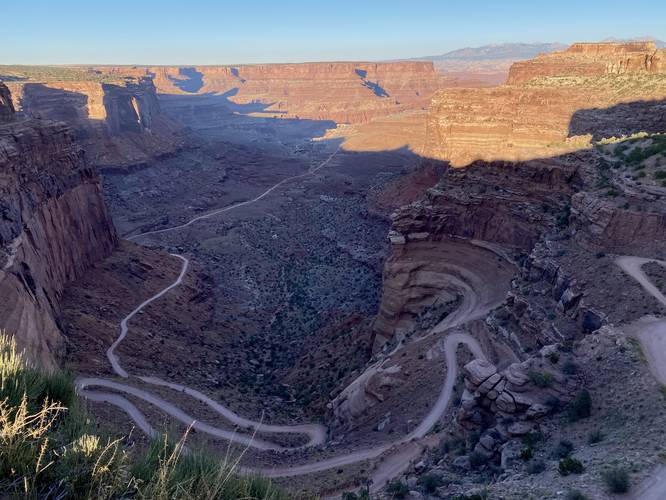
(48, 450)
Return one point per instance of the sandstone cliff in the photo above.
(534, 115)
(340, 91)
(566, 198)
(120, 124)
(54, 226)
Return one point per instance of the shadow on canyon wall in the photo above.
(622, 119)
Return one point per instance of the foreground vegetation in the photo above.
(49, 450)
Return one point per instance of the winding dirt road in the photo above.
(399, 452)
(651, 333)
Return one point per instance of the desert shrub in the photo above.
(661, 174)
(563, 449)
(596, 436)
(477, 459)
(581, 406)
(542, 380)
(570, 465)
(569, 367)
(553, 403)
(553, 357)
(575, 495)
(616, 480)
(526, 453)
(397, 489)
(430, 482)
(536, 467)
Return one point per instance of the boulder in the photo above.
(479, 370)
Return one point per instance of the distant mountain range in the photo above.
(515, 51)
(491, 63)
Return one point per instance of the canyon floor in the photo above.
(274, 314)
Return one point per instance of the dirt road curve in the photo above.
(398, 453)
(652, 337)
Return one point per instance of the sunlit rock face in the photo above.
(344, 92)
(534, 114)
(119, 124)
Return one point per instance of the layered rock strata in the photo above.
(54, 226)
(120, 124)
(338, 91)
(534, 115)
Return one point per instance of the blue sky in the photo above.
(251, 31)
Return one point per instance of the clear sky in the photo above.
(250, 31)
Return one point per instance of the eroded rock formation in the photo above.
(54, 226)
(534, 115)
(120, 124)
(339, 91)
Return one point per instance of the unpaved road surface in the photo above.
(651, 334)
(397, 454)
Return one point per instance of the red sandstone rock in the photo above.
(54, 226)
(339, 91)
(119, 123)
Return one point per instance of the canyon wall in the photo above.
(538, 185)
(534, 115)
(120, 124)
(54, 226)
(338, 91)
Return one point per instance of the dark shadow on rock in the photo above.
(191, 81)
(620, 120)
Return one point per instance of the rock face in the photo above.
(6, 105)
(54, 226)
(591, 60)
(560, 190)
(339, 91)
(120, 124)
(534, 115)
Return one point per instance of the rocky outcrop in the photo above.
(338, 91)
(600, 223)
(592, 60)
(535, 114)
(120, 124)
(54, 226)
(514, 399)
(6, 105)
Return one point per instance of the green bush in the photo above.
(596, 436)
(477, 459)
(581, 406)
(397, 489)
(616, 480)
(430, 482)
(542, 380)
(569, 367)
(526, 453)
(570, 465)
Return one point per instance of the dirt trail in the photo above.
(652, 337)
(398, 454)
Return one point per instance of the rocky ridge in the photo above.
(339, 91)
(534, 114)
(120, 123)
